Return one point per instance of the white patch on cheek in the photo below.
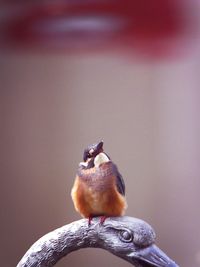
(84, 164)
(100, 158)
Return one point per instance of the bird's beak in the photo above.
(152, 256)
(100, 146)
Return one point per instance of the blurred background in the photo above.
(76, 72)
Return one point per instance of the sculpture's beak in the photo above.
(152, 256)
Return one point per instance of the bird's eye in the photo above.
(126, 236)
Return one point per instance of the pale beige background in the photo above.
(146, 113)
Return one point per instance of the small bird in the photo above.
(99, 188)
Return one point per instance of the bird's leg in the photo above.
(89, 220)
(102, 219)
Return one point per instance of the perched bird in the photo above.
(99, 188)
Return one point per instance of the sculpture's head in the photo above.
(134, 241)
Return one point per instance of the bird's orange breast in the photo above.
(97, 194)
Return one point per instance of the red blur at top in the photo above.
(90, 24)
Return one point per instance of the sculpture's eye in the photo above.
(126, 235)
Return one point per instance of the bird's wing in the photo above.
(119, 181)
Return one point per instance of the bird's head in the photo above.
(92, 151)
(133, 240)
(94, 155)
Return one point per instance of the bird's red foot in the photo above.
(102, 219)
(89, 220)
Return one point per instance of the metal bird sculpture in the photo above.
(126, 237)
(99, 188)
